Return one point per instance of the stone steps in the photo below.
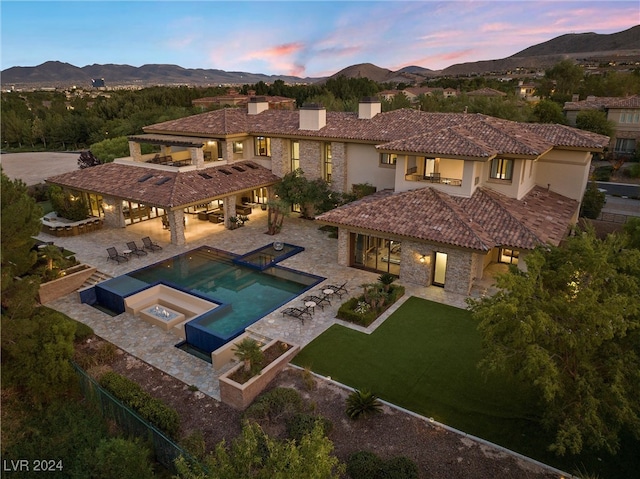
(95, 278)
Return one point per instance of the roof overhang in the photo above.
(159, 139)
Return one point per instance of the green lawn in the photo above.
(424, 358)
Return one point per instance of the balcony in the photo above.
(168, 160)
(432, 178)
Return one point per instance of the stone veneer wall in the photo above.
(461, 264)
(411, 269)
(343, 246)
(280, 157)
(176, 221)
(310, 159)
(113, 216)
(338, 167)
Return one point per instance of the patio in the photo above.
(157, 347)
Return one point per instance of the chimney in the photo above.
(575, 97)
(257, 104)
(368, 108)
(313, 116)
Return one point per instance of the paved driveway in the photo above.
(33, 168)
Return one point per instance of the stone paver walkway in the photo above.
(157, 347)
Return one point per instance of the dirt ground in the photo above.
(439, 454)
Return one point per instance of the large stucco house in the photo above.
(456, 192)
(622, 112)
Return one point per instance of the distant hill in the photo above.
(59, 74)
(624, 46)
(621, 47)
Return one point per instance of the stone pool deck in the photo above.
(157, 347)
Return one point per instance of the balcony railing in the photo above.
(433, 178)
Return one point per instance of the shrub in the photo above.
(301, 423)
(400, 467)
(362, 403)
(274, 404)
(356, 310)
(367, 465)
(363, 465)
(82, 330)
(592, 202)
(602, 173)
(194, 444)
(308, 380)
(122, 458)
(106, 353)
(153, 410)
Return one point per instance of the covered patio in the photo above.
(125, 192)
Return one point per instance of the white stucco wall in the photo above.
(364, 167)
(566, 172)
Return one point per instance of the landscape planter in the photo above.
(71, 281)
(240, 396)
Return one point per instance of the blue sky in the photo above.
(302, 38)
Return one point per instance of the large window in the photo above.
(625, 145)
(238, 147)
(295, 155)
(327, 162)
(375, 254)
(501, 169)
(388, 158)
(262, 146)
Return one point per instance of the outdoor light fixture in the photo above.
(423, 258)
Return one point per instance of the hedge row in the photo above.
(153, 410)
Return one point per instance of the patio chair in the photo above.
(150, 245)
(319, 300)
(337, 289)
(299, 313)
(115, 256)
(133, 247)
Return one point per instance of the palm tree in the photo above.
(361, 403)
(386, 279)
(248, 351)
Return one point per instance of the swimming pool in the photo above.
(243, 294)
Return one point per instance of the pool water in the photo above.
(213, 274)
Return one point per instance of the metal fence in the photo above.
(165, 450)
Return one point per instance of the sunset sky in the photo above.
(302, 38)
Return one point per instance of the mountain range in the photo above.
(621, 47)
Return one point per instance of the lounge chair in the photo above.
(115, 256)
(339, 290)
(133, 247)
(150, 245)
(299, 313)
(320, 301)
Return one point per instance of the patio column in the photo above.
(135, 152)
(227, 151)
(228, 209)
(113, 216)
(197, 157)
(176, 225)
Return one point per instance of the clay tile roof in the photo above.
(629, 102)
(226, 121)
(463, 134)
(167, 188)
(482, 222)
(486, 91)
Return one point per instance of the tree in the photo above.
(547, 111)
(278, 209)
(592, 201)
(248, 351)
(68, 205)
(595, 121)
(570, 326)
(20, 222)
(36, 354)
(256, 455)
(632, 232)
(567, 76)
(121, 458)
